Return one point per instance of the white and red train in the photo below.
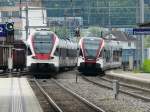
(49, 53)
(97, 55)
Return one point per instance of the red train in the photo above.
(18, 54)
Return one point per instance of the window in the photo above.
(15, 14)
(29, 51)
(80, 53)
(129, 44)
(43, 43)
(5, 14)
(56, 53)
(91, 47)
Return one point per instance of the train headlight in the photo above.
(51, 57)
(97, 59)
(34, 57)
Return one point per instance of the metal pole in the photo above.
(89, 12)
(109, 17)
(77, 41)
(137, 54)
(20, 9)
(10, 61)
(65, 17)
(110, 29)
(141, 4)
(27, 21)
(27, 27)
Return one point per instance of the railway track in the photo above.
(127, 89)
(45, 101)
(64, 100)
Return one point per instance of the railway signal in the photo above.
(9, 32)
(77, 32)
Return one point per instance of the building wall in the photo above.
(128, 45)
(37, 19)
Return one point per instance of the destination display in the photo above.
(141, 31)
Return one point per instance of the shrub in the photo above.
(146, 66)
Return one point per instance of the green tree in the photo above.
(95, 31)
(61, 32)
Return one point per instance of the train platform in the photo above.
(16, 95)
(142, 79)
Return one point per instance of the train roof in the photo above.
(90, 38)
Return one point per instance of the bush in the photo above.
(146, 66)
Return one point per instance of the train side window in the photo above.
(69, 52)
(63, 52)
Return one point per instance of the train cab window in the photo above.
(101, 53)
(56, 53)
(80, 53)
(29, 51)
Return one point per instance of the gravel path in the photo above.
(103, 97)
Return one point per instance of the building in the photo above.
(104, 13)
(16, 12)
(36, 19)
(129, 51)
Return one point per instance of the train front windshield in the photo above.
(43, 44)
(91, 47)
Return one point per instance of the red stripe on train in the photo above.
(42, 56)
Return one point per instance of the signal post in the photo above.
(77, 35)
(9, 41)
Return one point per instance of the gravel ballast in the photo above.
(103, 97)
